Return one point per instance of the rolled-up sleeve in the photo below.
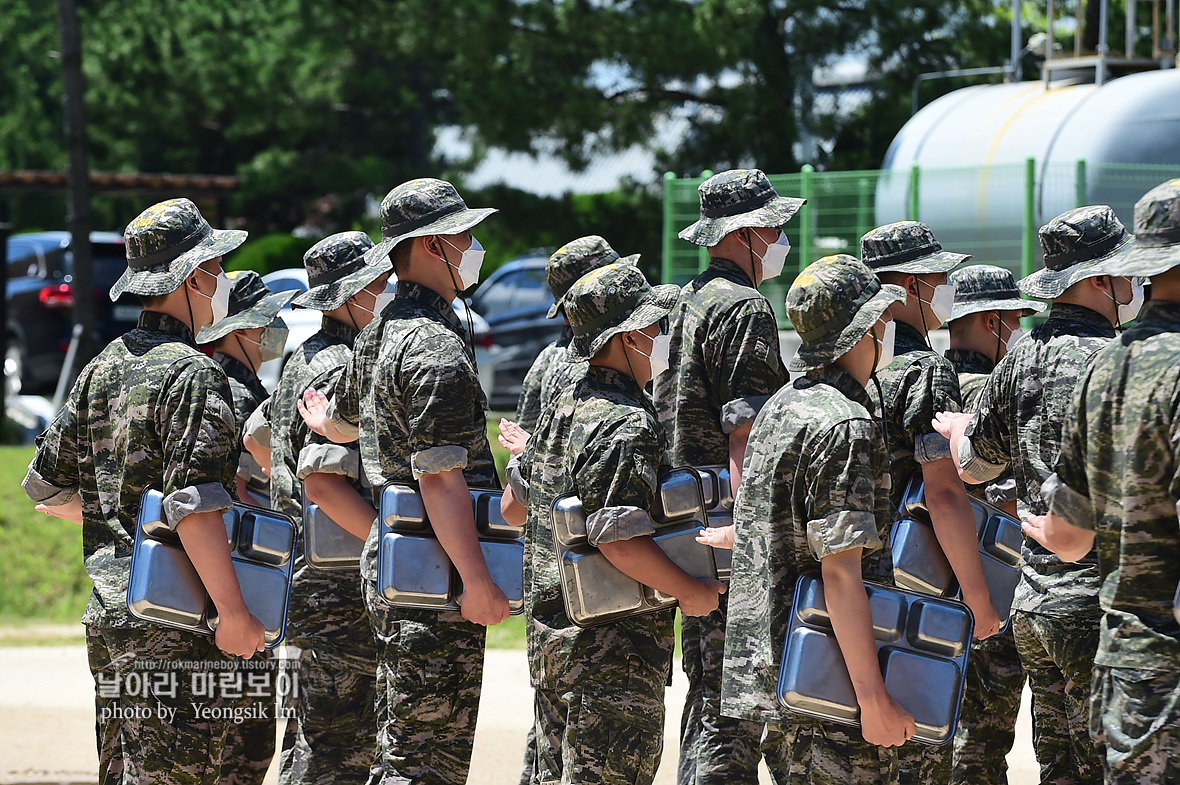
(52, 477)
(438, 386)
(258, 425)
(327, 458)
(936, 390)
(617, 480)
(985, 450)
(203, 497)
(746, 355)
(843, 489)
(514, 474)
(740, 412)
(615, 524)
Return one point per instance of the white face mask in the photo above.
(886, 345)
(219, 302)
(1013, 337)
(274, 338)
(775, 257)
(942, 302)
(469, 263)
(1128, 312)
(658, 359)
(379, 302)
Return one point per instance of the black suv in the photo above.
(514, 300)
(40, 297)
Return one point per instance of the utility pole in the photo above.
(78, 179)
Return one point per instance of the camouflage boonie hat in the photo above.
(1077, 245)
(738, 199)
(984, 287)
(573, 260)
(423, 207)
(611, 300)
(251, 304)
(1157, 234)
(832, 304)
(907, 247)
(165, 243)
(337, 268)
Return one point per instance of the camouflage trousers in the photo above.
(713, 748)
(429, 676)
(333, 735)
(826, 754)
(147, 728)
(607, 729)
(1136, 714)
(923, 764)
(987, 722)
(250, 745)
(1058, 654)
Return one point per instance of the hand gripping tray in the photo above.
(920, 565)
(922, 648)
(413, 570)
(719, 508)
(326, 545)
(164, 586)
(593, 589)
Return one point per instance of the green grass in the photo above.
(44, 579)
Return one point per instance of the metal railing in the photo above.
(990, 212)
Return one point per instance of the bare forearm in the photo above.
(738, 439)
(640, 558)
(448, 506)
(1066, 540)
(510, 507)
(257, 451)
(852, 621)
(203, 536)
(341, 502)
(954, 525)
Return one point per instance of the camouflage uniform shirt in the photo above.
(248, 394)
(150, 411)
(973, 369)
(813, 485)
(1119, 476)
(724, 360)
(1018, 422)
(604, 444)
(551, 374)
(917, 385)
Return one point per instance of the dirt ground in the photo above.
(47, 721)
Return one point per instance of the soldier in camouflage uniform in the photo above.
(250, 335)
(545, 381)
(599, 690)
(331, 739)
(913, 388)
(1017, 423)
(411, 393)
(815, 496)
(723, 364)
(152, 411)
(1115, 490)
(985, 324)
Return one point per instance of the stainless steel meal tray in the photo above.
(413, 570)
(594, 590)
(922, 647)
(920, 565)
(164, 586)
(326, 545)
(719, 506)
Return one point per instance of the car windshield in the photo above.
(277, 285)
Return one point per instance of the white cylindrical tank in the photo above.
(972, 145)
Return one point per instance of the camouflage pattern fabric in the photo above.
(528, 406)
(738, 199)
(413, 386)
(907, 247)
(915, 386)
(573, 260)
(604, 444)
(147, 397)
(146, 718)
(248, 394)
(422, 207)
(1135, 713)
(984, 287)
(1018, 422)
(724, 363)
(333, 736)
(1077, 245)
(1117, 476)
(825, 755)
(817, 427)
(995, 677)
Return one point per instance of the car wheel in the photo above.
(14, 368)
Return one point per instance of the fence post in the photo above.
(864, 207)
(703, 252)
(915, 176)
(1082, 187)
(1028, 251)
(669, 215)
(806, 175)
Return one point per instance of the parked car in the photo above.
(304, 323)
(40, 296)
(515, 300)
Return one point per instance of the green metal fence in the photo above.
(990, 212)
